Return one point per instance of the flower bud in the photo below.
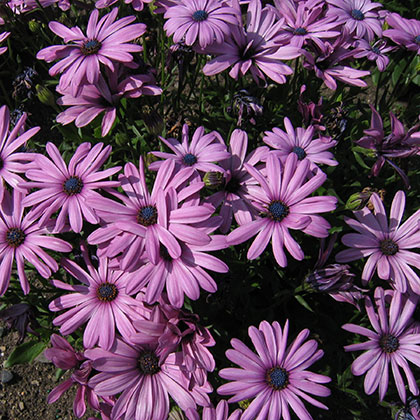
(34, 26)
(213, 180)
(45, 96)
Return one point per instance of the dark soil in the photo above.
(25, 396)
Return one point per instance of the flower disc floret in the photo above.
(107, 292)
(389, 343)
(148, 363)
(277, 211)
(200, 15)
(299, 152)
(417, 39)
(73, 185)
(147, 216)
(300, 31)
(388, 247)
(189, 159)
(277, 378)
(15, 237)
(357, 14)
(91, 47)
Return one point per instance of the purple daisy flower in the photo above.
(359, 17)
(104, 97)
(375, 52)
(66, 189)
(405, 32)
(394, 341)
(102, 300)
(21, 239)
(255, 48)
(221, 412)
(10, 161)
(200, 153)
(106, 43)
(386, 244)
(144, 380)
(305, 22)
(234, 198)
(276, 376)
(207, 20)
(148, 221)
(283, 204)
(301, 143)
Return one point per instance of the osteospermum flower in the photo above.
(207, 20)
(283, 204)
(65, 188)
(301, 143)
(394, 341)
(144, 381)
(137, 5)
(10, 160)
(200, 153)
(404, 32)
(101, 300)
(276, 376)
(359, 17)
(106, 42)
(149, 221)
(22, 239)
(386, 244)
(255, 48)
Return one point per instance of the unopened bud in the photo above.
(213, 180)
(45, 96)
(34, 26)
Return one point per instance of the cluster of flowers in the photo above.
(153, 248)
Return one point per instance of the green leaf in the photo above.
(25, 353)
(303, 302)
(359, 160)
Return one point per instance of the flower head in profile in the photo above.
(387, 244)
(106, 42)
(205, 20)
(200, 153)
(65, 188)
(404, 32)
(138, 5)
(101, 301)
(276, 377)
(144, 380)
(301, 143)
(21, 239)
(104, 96)
(11, 161)
(359, 17)
(393, 341)
(283, 204)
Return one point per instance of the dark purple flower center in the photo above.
(189, 159)
(389, 343)
(357, 14)
(376, 50)
(73, 185)
(277, 211)
(148, 363)
(15, 237)
(388, 247)
(300, 153)
(147, 216)
(91, 47)
(200, 15)
(107, 292)
(417, 39)
(300, 31)
(233, 185)
(277, 378)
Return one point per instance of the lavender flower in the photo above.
(106, 42)
(393, 341)
(404, 32)
(276, 376)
